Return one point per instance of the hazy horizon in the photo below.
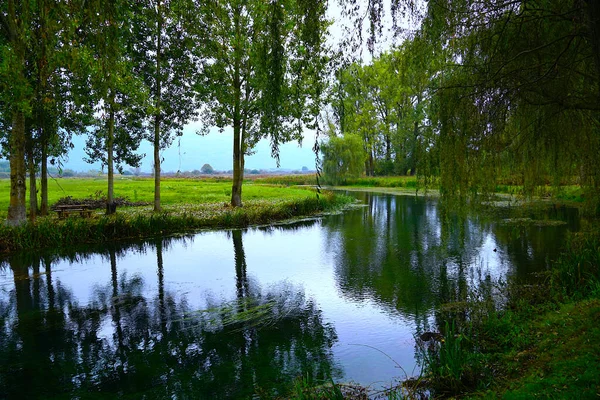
(191, 151)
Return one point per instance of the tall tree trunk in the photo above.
(44, 177)
(162, 307)
(238, 153)
(241, 276)
(413, 153)
(157, 115)
(238, 166)
(157, 164)
(32, 186)
(18, 191)
(388, 147)
(110, 143)
(43, 85)
(116, 315)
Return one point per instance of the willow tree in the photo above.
(519, 76)
(264, 78)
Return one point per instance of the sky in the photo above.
(192, 151)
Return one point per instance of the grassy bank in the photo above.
(174, 191)
(188, 205)
(543, 343)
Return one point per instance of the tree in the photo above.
(168, 42)
(16, 93)
(119, 94)
(265, 78)
(518, 76)
(386, 103)
(207, 169)
(60, 108)
(343, 157)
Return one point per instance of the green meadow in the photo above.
(187, 204)
(174, 191)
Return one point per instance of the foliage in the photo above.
(343, 158)
(387, 103)
(266, 75)
(207, 169)
(516, 78)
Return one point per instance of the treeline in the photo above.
(483, 91)
(380, 123)
(130, 70)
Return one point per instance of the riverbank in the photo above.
(542, 342)
(189, 205)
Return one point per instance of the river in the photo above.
(237, 313)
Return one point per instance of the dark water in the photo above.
(232, 314)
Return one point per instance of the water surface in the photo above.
(231, 314)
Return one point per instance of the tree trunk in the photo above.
(44, 178)
(238, 144)
(238, 166)
(414, 159)
(110, 142)
(593, 11)
(33, 206)
(18, 191)
(241, 277)
(388, 148)
(157, 164)
(157, 115)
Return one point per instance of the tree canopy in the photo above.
(479, 92)
(483, 92)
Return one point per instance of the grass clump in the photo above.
(541, 343)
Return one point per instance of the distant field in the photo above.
(174, 191)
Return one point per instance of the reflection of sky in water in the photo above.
(356, 267)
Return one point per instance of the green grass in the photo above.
(174, 191)
(288, 180)
(188, 204)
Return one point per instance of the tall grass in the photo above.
(576, 274)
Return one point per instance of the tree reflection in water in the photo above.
(131, 344)
(403, 254)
